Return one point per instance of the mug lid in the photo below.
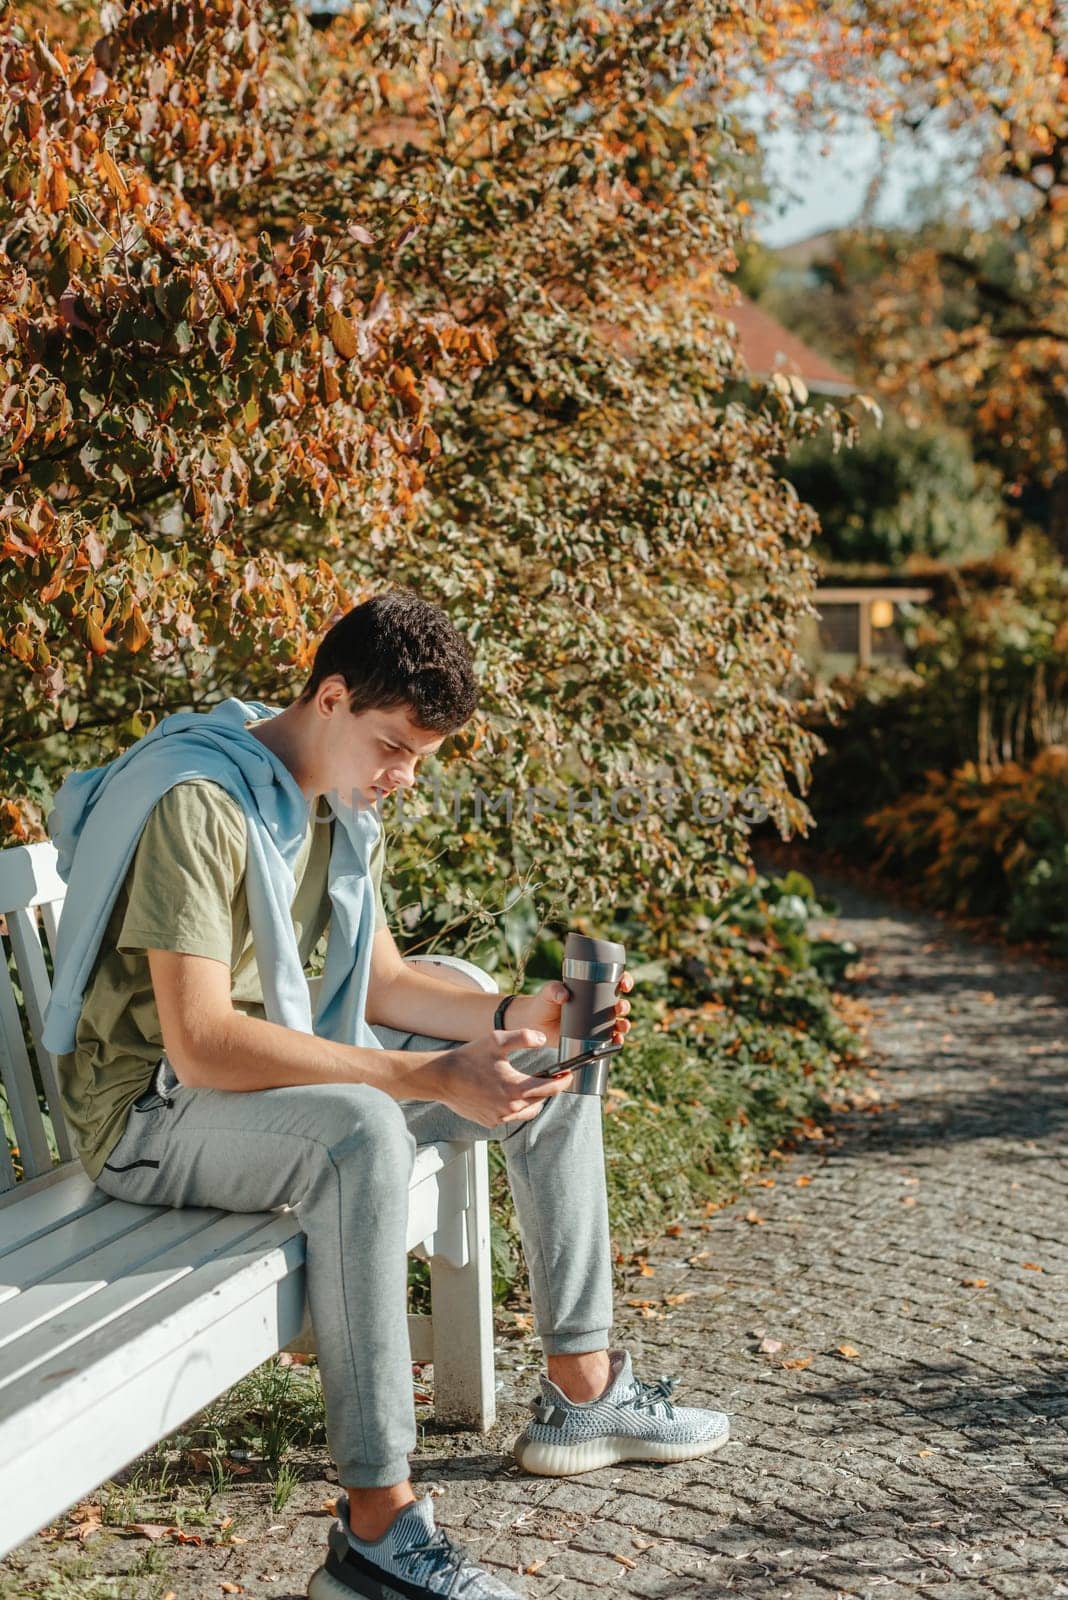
(580, 947)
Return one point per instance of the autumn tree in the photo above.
(290, 313)
(970, 319)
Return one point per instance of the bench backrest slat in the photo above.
(34, 1154)
(33, 975)
(31, 897)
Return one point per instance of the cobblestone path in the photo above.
(885, 1324)
(902, 1432)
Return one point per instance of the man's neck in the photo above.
(278, 735)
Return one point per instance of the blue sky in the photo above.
(820, 180)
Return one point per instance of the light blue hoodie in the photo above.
(98, 819)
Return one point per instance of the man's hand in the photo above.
(479, 1083)
(542, 1010)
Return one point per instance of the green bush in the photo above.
(988, 843)
(900, 492)
(986, 682)
(736, 1041)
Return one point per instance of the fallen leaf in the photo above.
(753, 1218)
(624, 1561)
(801, 1361)
(536, 1566)
(675, 1230)
(1032, 1266)
(771, 1347)
(973, 1283)
(237, 1468)
(848, 1350)
(925, 1452)
(87, 1519)
(643, 1544)
(803, 1181)
(328, 1508)
(766, 1183)
(678, 1299)
(231, 1588)
(199, 1460)
(151, 1530)
(908, 1199)
(187, 1538)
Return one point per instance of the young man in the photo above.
(205, 865)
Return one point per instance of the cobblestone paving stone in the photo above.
(885, 1325)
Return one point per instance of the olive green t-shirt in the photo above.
(184, 890)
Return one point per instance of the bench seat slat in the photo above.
(24, 1217)
(71, 1242)
(48, 1363)
(132, 1252)
(113, 1303)
(146, 1375)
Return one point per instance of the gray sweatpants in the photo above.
(342, 1154)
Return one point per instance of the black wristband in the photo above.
(498, 1015)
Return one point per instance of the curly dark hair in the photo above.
(398, 649)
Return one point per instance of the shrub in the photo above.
(991, 843)
(737, 1042)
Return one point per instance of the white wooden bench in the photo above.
(118, 1322)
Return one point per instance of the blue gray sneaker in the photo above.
(414, 1558)
(631, 1421)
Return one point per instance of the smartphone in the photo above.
(559, 1067)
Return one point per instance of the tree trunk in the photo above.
(1058, 514)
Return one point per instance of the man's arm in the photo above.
(400, 996)
(213, 1046)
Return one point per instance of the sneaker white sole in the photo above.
(560, 1460)
(325, 1587)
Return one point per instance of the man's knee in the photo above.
(367, 1123)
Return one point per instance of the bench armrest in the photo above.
(454, 969)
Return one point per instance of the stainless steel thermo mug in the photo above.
(592, 970)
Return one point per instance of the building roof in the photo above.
(767, 347)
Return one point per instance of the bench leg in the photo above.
(461, 1298)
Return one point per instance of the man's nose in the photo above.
(402, 772)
